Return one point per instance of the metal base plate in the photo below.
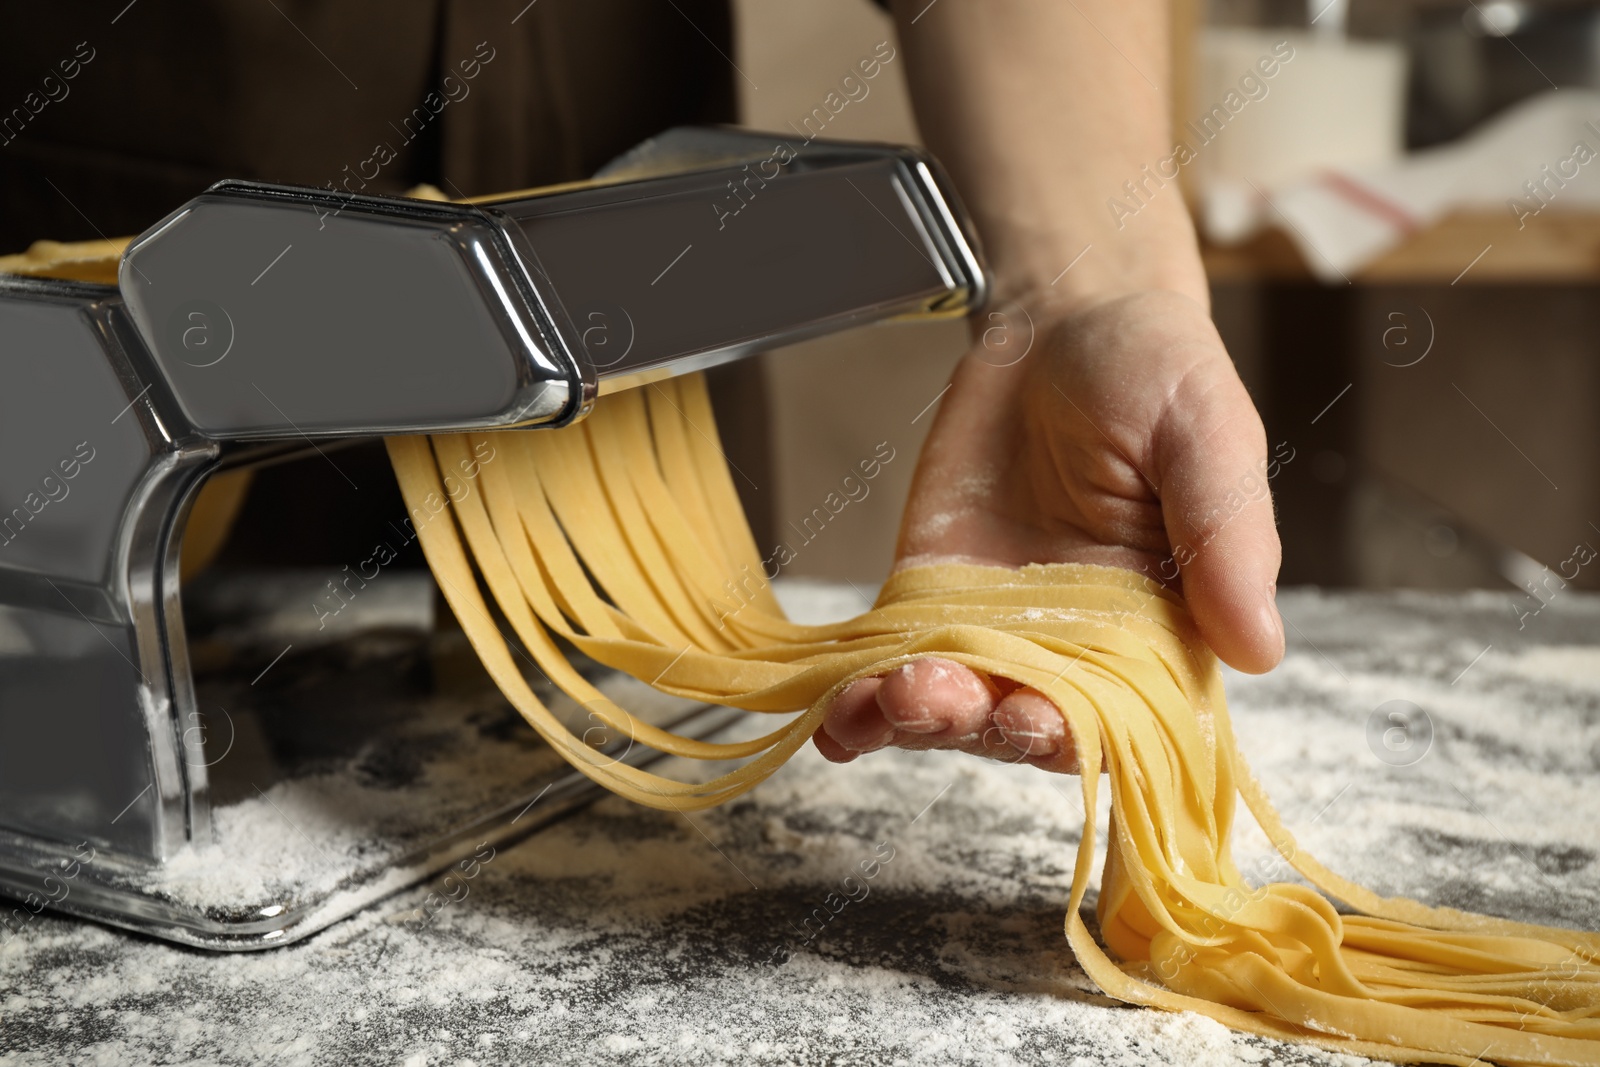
(345, 762)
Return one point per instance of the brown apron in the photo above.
(176, 95)
(113, 115)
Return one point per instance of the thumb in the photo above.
(1217, 507)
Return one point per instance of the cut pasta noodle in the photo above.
(623, 536)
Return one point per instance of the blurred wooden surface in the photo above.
(1554, 247)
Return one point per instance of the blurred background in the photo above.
(1403, 237)
(1398, 203)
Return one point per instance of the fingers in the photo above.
(1217, 508)
(938, 704)
(1032, 726)
(927, 704)
(831, 750)
(935, 703)
(855, 724)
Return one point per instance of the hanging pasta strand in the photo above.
(623, 535)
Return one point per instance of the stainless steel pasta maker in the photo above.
(221, 763)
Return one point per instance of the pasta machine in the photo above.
(237, 759)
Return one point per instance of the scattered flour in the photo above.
(642, 937)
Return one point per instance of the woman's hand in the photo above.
(1114, 432)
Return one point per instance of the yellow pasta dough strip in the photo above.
(623, 536)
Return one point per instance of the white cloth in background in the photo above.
(1542, 154)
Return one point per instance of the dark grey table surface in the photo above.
(636, 936)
